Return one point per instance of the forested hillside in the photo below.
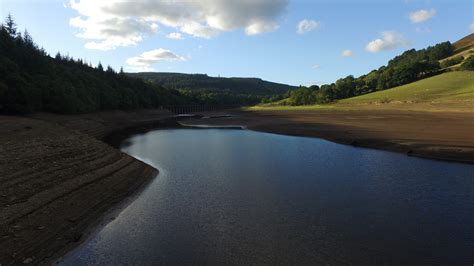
(31, 80)
(217, 89)
(408, 67)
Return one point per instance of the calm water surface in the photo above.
(243, 197)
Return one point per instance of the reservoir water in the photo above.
(243, 197)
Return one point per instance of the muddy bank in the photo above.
(59, 179)
(435, 135)
(101, 125)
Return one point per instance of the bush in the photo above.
(468, 64)
(451, 62)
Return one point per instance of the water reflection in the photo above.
(242, 197)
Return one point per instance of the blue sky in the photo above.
(248, 38)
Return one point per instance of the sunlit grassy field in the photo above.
(452, 91)
(445, 87)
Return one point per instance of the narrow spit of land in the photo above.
(436, 135)
(58, 179)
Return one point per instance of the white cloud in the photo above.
(347, 53)
(316, 67)
(471, 27)
(112, 32)
(422, 15)
(390, 40)
(145, 61)
(115, 23)
(307, 26)
(259, 27)
(175, 36)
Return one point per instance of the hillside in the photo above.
(463, 49)
(202, 82)
(465, 42)
(31, 80)
(451, 91)
(411, 66)
(452, 88)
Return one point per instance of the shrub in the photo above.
(468, 64)
(451, 62)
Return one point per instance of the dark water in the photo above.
(242, 197)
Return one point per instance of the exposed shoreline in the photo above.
(438, 136)
(60, 181)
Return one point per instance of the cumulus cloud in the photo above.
(260, 27)
(112, 32)
(307, 26)
(389, 41)
(347, 53)
(115, 23)
(146, 60)
(471, 27)
(422, 15)
(175, 36)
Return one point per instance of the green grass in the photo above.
(452, 91)
(290, 108)
(447, 87)
(464, 53)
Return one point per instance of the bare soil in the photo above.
(58, 179)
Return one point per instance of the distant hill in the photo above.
(202, 82)
(465, 42)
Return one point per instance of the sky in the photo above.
(297, 42)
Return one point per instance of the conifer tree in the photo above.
(28, 39)
(10, 25)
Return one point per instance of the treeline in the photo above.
(217, 90)
(31, 80)
(408, 67)
(216, 97)
(203, 82)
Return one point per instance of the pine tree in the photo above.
(28, 39)
(10, 25)
(110, 70)
(100, 67)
